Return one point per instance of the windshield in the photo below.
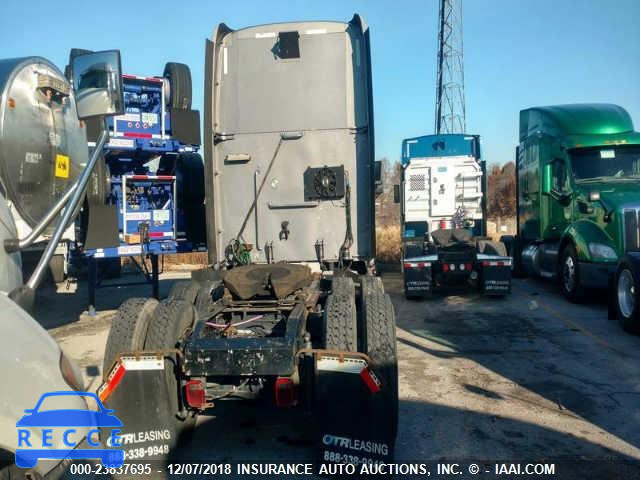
(613, 162)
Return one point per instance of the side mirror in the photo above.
(377, 177)
(97, 82)
(546, 179)
(396, 194)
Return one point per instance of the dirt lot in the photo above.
(529, 378)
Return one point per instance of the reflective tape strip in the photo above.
(501, 263)
(150, 177)
(112, 382)
(138, 77)
(417, 265)
(143, 363)
(346, 365)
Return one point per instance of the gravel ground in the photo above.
(529, 378)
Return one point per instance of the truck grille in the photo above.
(631, 229)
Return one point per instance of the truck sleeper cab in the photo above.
(289, 183)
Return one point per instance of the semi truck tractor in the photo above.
(287, 316)
(443, 215)
(578, 201)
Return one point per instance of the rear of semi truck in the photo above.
(286, 316)
(443, 212)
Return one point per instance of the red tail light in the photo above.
(285, 391)
(445, 267)
(195, 393)
(469, 267)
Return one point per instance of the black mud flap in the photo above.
(495, 277)
(345, 392)
(136, 389)
(417, 279)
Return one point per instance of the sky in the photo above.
(517, 53)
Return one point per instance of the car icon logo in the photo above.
(44, 419)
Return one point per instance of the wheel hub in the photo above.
(626, 293)
(569, 274)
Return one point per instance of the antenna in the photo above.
(450, 105)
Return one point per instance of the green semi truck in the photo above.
(578, 202)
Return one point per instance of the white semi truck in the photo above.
(443, 213)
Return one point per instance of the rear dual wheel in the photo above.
(376, 331)
(379, 338)
(146, 324)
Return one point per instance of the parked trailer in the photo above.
(443, 213)
(578, 202)
(147, 195)
(290, 184)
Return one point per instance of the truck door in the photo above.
(559, 200)
(443, 191)
(416, 194)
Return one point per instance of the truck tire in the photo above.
(179, 77)
(627, 294)
(340, 316)
(128, 329)
(56, 267)
(173, 319)
(186, 290)
(209, 292)
(380, 345)
(569, 275)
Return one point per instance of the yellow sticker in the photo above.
(62, 166)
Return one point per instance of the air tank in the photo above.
(43, 145)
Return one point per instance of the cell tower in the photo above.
(450, 106)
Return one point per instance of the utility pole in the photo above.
(450, 105)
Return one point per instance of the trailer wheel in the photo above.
(208, 293)
(570, 284)
(340, 317)
(179, 77)
(186, 290)
(627, 295)
(128, 329)
(380, 345)
(173, 319)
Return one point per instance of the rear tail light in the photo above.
(445, 267)
(195, 394)
(469, 267)
(285, 391)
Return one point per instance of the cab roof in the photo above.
(576, 119)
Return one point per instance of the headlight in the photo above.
(603, 252)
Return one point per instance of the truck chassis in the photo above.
(322, 346)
